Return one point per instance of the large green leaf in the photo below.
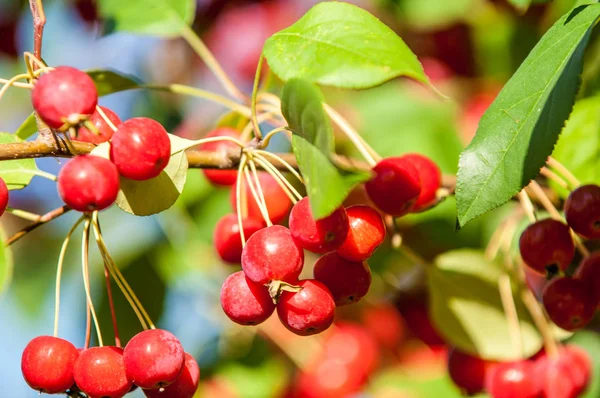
(17, 174)
(341, 45)
(27, 128)
(165, 18)
(519, 130)
(6, 264)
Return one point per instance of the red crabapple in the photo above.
(64, 97)
(47, 364)
(430, 177)
(221, 177)
(226, 236)
(3, 196)
(467, 371)
(184, 386)
(366, 233)
(278, 203)
(385, 323)
(318, 236)
(582, 211)
(100, 373)
(567, 375)
(589, 271)
(512, 380)
(347, 281)
(395, 186)
(570, 303)
(309, 311)
(140, 148)
(105, 132)
(546, 246)
(87, 183)
(245, 302)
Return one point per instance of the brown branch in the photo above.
(39, 20)
(51, 215)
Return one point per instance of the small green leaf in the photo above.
(341, 45)
(17, 174)
(519, 130)
(108, 81)
(325, 185)
(165, 18)
(28, 128)
(6, 264)
(234, 120)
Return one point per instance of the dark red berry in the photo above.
(47, 364)
(271, 254)
(430, 177)
(513, 380)
(318, 236)
(88, 183)
(570, 303)
(414, 309)
(153, 358)
(64, 97)
(184, 386)
(395, 187)
(140, 148)
(221, 177)
(3, 196)
(227, 239)
(582, 211)
(546, 246)
(278, 203)
(105, 132)
(309, 311)
(347, 281)
(589, 271)
(367, 232)
(467, 371)
(244, 301)
(100, 373)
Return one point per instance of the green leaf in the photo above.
(17, 174)
(341, 45)
(264, 380)
(6, 265)
(325, 185)
(590, 341)
(28, 128)
(302, 107)
(402, 382)
(165, 18)
(108, 81)
(234, 120)
(519, 130)
(144, 198)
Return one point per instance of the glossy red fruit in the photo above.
(88, 183)
(589, 271)
(352, 345)
(278, 203)
(100, 373)
(309, 311)
(221, 177)
(153, 358)
(395, 187)
(347, 281)
(546, 246)
(415, 312)
(467, 371)
(318, 236)
(327, 378)
(184, 386)
(367, 232)
(244, 301)
(47, 364)
(567, 375)
(513, 380)
(3, 196)
(570, 303)
(271, 254)
(105, 132)
(430, 177)
(64, 97)
(384, 322)
(582, 211)
(226, 236)
(140, 148)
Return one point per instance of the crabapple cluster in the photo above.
(547, 246)
(153, 360)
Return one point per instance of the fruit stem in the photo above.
(541, 322)
(549, 174)
(263, 143)
(241, 207)
(23, 214)
(105, 118)
(258, 198)
(86, 276)
(59, 268)
(51, 215)
(17, 84)
(527, 205)
(564, 171)
(111, 304)
(216, 139)
(255, 124)
(247, 130)
(88, 326)
(510, 311)
(204, 53)
(288, 188)
(11, 81)
(275, 157)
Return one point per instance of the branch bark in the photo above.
(51, 215)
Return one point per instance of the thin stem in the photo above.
(549, 174)
(88, 326)
(51, 215)
(35, 63)
(541, 322)
(279, 159)
(204, 53)
(288, 188)
(59, 268)
(105, 118)
(86, 283)
(23, 214)
(247, 130)
(17, 84)
(39, 173)
(510, 311)
(265, 141)
(217, 139)
(564, 171)
(10, 82)
(255, 124)
(259, 199)
(241, 207)
(111, 304)
(527, 205)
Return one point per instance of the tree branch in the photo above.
(39, 20)
(51, 215)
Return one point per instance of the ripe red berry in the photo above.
(582, 211)
(430, 177)
(570, 303)
(47, 364)
(226, 236)
(384, 323)
(88, 183)
(244, 301)
(64, 97)
(221, 177)
(153, 358)
(347, 281)
(367, 232)
(140, 148)
(414, 309)
(100, 373)
(318, 236)
(3, 196)
(278, 203)
(309, 311)
(352, 345)
(567, 375)
(467, 371)
(271, 254)
(589, 271)
(546, 246)
(184, 386)
(105, 132)
(395, 187)
(513, 380)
